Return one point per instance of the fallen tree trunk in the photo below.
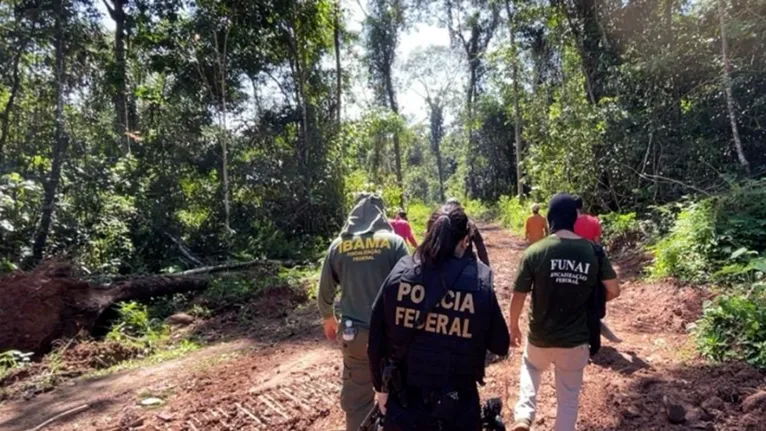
(242, 265)
(108, 280)
(39, 307)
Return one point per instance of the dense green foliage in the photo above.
(714, 238)
(228, 144)
(157, 135)
(513, 213)
(732, 328)
(136, 327)
(194, 131)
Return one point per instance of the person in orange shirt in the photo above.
(536, 227)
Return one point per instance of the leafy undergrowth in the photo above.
(143, 334)
(733, 328)
(717, 244)
(513, 213)
(418, 214)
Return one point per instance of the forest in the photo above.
(156, 136)
(168, 133)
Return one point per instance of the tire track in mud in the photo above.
(303, 392)
(294, 405)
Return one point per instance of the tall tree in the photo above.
(382, 27)
(730, 105)
(472, 24)
(222, 60)
(430, 73)
(516, 96)
(215, 80)
(16, 39)
(122, 126)
(61, 140)
(337, 19)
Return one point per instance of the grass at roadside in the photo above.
(171, 352)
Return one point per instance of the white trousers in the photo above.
(569, 365)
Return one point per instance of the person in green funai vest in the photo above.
(562, 272)
(358, 261)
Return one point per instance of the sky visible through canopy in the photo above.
(421, 35)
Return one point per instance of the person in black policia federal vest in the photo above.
(475, 237)
(562, 271)
(359, 260)
(432, 324)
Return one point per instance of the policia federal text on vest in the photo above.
(433, 322)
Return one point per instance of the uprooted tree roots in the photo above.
(39, 307)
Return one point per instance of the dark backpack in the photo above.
(596, 308)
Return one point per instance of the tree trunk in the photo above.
(338, 77)
(440, 170)
(308, 121)
(224, 135)
(59, 145)
(727, 87)
(376, 156)
(471, 145)
(152, 286)
(121, 126)
(516, 109)
(437, 120)
(6, 116)
(397, 147)
(584, 56)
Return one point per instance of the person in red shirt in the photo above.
(402, 227)
(587, 226)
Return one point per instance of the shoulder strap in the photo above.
(598, 250)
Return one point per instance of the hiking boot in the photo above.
(521, 425)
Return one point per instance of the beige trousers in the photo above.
(569, 365)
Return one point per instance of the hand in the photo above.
(331, 328)
(515, 336)
(382, 399)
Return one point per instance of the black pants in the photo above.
(596, 312)
(422, 412)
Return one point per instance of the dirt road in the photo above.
(292, 381)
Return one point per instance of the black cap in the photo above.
(562, 212)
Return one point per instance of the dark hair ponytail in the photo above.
(445, 229)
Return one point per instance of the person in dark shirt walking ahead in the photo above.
(474, 235)
(561, 271)
(431, 326)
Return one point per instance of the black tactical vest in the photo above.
(447, 346)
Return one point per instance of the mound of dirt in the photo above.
(662, 306)
(39, 307)
(35, 308)
(278, 300)
(99, 355)
(631, 263)
(708, 397)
